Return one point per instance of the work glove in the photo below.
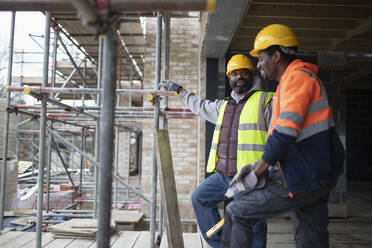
(244, 171)
(170, 85)
(245, 179)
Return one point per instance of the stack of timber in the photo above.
(126, 220)
(87, 228)
(78, 228)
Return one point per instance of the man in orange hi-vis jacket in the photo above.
(302, 140)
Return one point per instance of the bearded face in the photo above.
(241, 81)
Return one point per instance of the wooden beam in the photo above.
(337, 24)
(300, 12)
(315, 43)
(361, 28)
(318, 3)
(247, 32)
(169, 192)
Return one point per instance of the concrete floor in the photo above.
(355, 231)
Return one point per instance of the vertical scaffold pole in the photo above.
(107, 134)
(40, 180)
(33, 147)
(6, 124)
(165, 118)
(98, 127)
(49, 167)
(155, 125)
(117, 144)
(49, 151)
(83, 145)
(117, 131)
(117, 147)
(129, 131)
(18, 136)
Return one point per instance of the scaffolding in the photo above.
(105, 119)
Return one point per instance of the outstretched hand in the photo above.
(170, 85)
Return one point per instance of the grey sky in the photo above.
(26, 23)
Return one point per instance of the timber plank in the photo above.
(80, 243)
(21, 240)
(4, 238)
(126, 217)
(143, 240)
(59, 243)
(127, 239)
(190, 240)
(46, 239)
(113, 238)
(87, 223)
(168, 188)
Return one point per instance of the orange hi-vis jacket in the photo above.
(300, 104)
(302, 129)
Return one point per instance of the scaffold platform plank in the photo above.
(343, 233)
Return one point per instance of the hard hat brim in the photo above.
(239, 68)
(254, 53)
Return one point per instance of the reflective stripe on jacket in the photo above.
(252, 131)
(301, 111)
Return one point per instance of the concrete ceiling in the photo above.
(320, 25)
(340, 26)
(222, 26)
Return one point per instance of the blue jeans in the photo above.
(205, 199)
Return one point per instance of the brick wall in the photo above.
(186, 65)
(123, 155)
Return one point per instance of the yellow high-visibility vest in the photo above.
(252, 131)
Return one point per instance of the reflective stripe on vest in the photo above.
(252, 131)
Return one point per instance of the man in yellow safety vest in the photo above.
(239, 138)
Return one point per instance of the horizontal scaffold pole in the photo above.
(117, 5)
(10, 109)
(120, 108)
(39, 90)
(92, 160)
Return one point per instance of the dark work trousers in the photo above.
(309, 215)
(205, 199)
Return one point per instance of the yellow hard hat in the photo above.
(239, 61)
(274, 34)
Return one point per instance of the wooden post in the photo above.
(168, 187)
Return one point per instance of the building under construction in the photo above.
(93, 141)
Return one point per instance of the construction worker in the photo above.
(239, 138)
(302, 139)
